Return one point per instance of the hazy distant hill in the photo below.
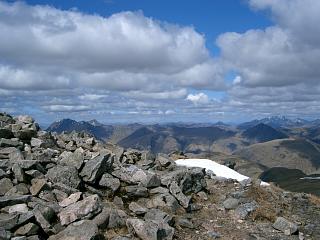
(275, 122)
(291, 153)
(293, 180)
(166, 139)
(263, 133)
(68, 125)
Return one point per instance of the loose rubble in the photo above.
(71, 186)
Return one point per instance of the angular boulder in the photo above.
(84, 209)
(96, 167)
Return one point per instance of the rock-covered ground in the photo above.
(70, 186)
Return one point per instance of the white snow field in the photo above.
(218, 169)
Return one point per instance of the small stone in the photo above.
(18, 208)
(73, 198)
(137, 209)
(231, 203)
(82, 230)
(136, 191)
(213, 235)
(5, 186)
(27, 230)
(110, 182)
(287, 227)
(18, 173)
(38, 185)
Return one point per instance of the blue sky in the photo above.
(160, 61)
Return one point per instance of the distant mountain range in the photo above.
(253, 148)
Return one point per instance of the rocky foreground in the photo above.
(70, 186)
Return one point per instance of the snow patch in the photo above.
(218, 169)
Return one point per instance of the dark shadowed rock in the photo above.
(176, 191)
(12, 200)
(136, 191)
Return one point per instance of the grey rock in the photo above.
(175, 175)
(158, 215)
(18, 173)
(82, 230)
(136, 191)
(5, 186)
(158, 190)
(19, 189)
(36, 142)
(213, 235)
(38, 185)
(10, 143)
(130, 174)
(193, 181)
(149, 230)
(8, 221)
(245, 209)
(164, 161)
(27, 230)
(66, 175)
(75, 159)
(5, 235)
(109, 182)
(137, 209)
(230, 203)
(87, 208)
(96, 167)
(284, 225)
(178, 194)
(73, 198)
(165, 201)
(102, 219)
(43, 217)
(34, 174)
(185, 223)
(13, 200)
(18, 208)
(117, 219)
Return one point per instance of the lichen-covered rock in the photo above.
(67, 175)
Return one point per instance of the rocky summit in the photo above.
(72, 186)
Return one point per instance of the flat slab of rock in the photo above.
(285, 226)
(73, 198)
(13, 200)
(84, 209)
(82, 230)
